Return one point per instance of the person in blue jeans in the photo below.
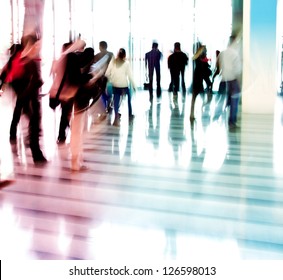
(229, 64)
(120, 75)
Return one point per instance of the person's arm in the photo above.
(130, 76)
(146, 62)
(3, 76)
(109, 68)
(217, 69)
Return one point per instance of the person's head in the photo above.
(65, 46)
(103, 46)
(177, 46)
(15, 48)
(28, 40)
(30, 45)
(87, 57)
(200, 53)
(154, 45)
(121, 54)
(232, 39)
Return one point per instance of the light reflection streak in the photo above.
(216, 147)
(64, 240)
(118, 242)
(15, 242)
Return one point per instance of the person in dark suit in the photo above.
(152, 62)
(177, 62)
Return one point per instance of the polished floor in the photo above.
(162, 188)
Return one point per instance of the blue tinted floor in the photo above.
(162, 188)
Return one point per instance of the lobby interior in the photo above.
(163, 187)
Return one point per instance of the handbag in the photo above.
(146, 83)
(68, 92)
(64, 93)
(57, 84)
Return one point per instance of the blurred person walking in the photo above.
(201, 73)
(71, 75)
(57, 71)
(107, 93)
(13, 70)
(80, 63)
(84, 85)
(25, 79)
(120, 75)
(10, 68)
(230, 67)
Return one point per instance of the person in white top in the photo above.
(120, 75)
(229, 66)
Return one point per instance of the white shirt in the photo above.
(230, 64)
(120, 75)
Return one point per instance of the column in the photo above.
(259, 88)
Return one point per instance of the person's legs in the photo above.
(34, 131)
(234, 94)
(170, 89)
(104, 99)
(192, 114)
(117, 96)
(183, 81)
(129, 103)
(158, 81)
(76, 144)
(233, 110)
(208, 89)
(176, 82)
(16, 118)
(150, 86)
(66, 113)
(109, 93)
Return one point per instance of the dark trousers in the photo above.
(30, 106)
(158, 79)
(183, 80)
(21, 105)
(175, 81)
(66, 113)
(35, 128)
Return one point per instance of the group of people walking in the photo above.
(80, 77)
(228, 66)
(22, 72)
(177, 62)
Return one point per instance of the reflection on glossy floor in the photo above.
(160, 189)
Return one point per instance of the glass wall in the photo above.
(280, 46)
(11, 15)
(131, 24)
(165, 22)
